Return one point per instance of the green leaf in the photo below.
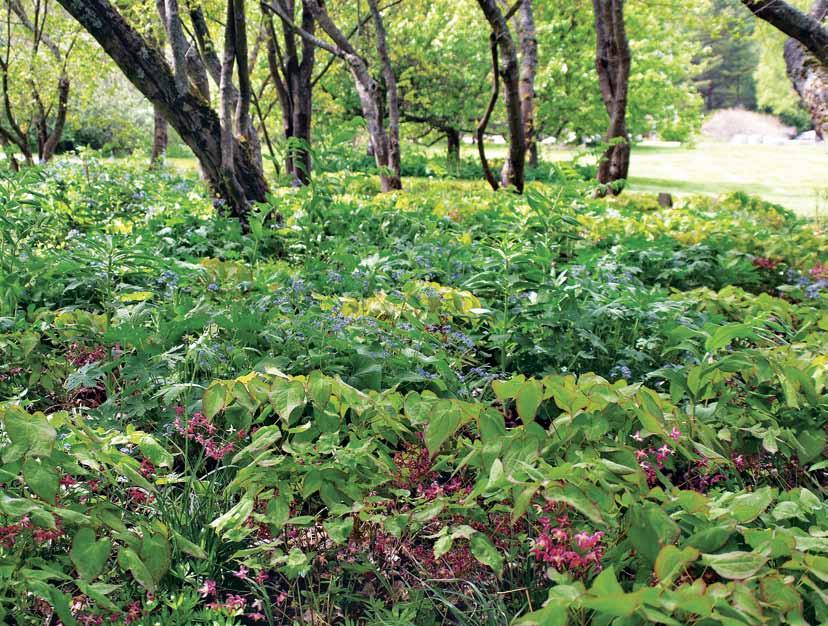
(31, 434)
(339, 530)
(443, 422)
(154, 451)
(507, 389)
(651, 528)
(735, 565)
(319, 389)
(214, 399)
(129, 560)
(286, 396)
(748, 506)
(41, 478)
(442, 545)
(671, 562)
(528, 400)
(606, 596)
(818, 566)
(485, 552)
(88, 555)
(187, 546)
(235, 517)
(155, 553)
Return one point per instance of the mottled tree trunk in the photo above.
(196, 123)
(612, 60)
(160, 138)
(528, 70)
(391, 97)
(453, 148)
(368, 90)
(292, 78)
(514, 169)
(809, 75)
(47, 150)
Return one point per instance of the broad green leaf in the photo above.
(30, 433)
(443, 422)
(129, 560)
(735, 565)
(485, 552)
(88, 555)
(339, 529)
(748, 506)
(671, 562)
(41, 478)
(606, 596)
(528, 400)
(156, 554)
(214, 399)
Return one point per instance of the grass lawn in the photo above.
(788, 175)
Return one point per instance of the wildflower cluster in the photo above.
(559, 547)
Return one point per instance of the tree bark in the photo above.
(392, 99)
(236, 8)
(196, 123)
(514, 169)
(806, 29)
(49, 146)
(528, 70)
(292, 78)
(809, 75)
(612, 61)
(178, 44)
(159, 138)
(453, 149)
(367, 88)
(484, 121)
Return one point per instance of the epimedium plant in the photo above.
(435, 406)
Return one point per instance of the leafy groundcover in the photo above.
(441, 406)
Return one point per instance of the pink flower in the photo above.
(261, 578)
(256, 617)
(208, 588)
(234, 602)
(67, 480)
(241, 572)
(637, 436)
(739, 462)
(675, 434)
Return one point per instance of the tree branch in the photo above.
(805, 28)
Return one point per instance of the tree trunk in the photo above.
(392, 99)
(612, 60)
(159, 138)
(513, 170)
(196, 123)
(528, 71)
(453, 149)
(484, 121)
(367, 89)
(810, 76)
(54, 137)
(807, 29)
